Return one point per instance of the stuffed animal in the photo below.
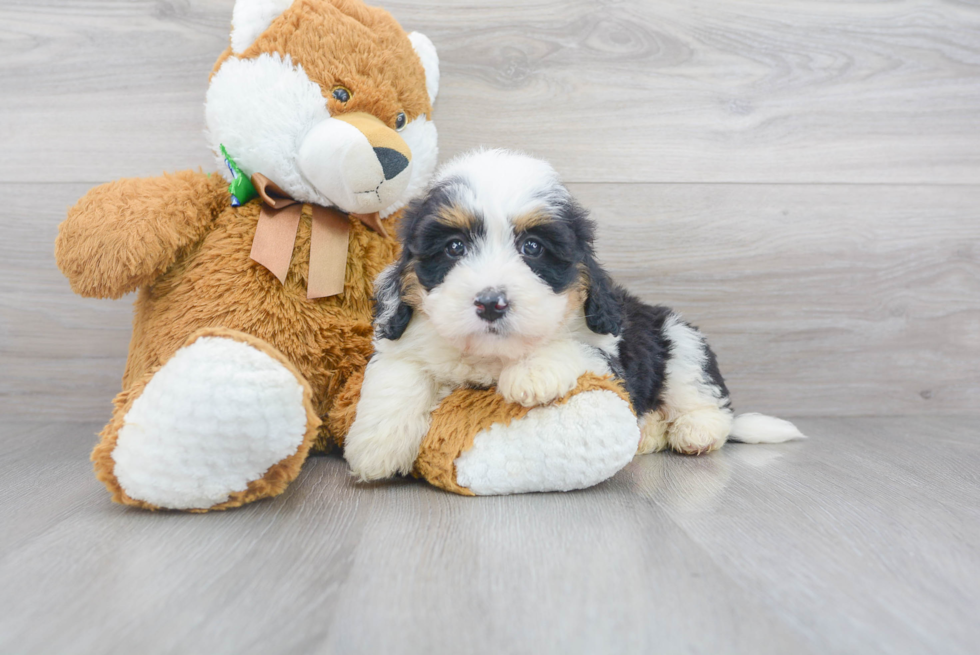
(252, 321)
(479, 444)
(254, 301)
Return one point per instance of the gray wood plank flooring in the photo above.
(862, 539)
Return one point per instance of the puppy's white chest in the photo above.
(465, 371)
(446, 364)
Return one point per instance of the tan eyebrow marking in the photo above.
(529, 220)
(456, 217)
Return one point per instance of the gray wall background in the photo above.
(799, 179)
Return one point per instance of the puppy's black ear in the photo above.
(391, 314)
(603, 311)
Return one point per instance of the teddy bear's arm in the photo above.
(123, 234)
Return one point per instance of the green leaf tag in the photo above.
(241, 188)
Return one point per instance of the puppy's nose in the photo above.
(491, 304)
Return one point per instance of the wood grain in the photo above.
(734, 91)
(861, 539)
(820, 300)
(61, 355)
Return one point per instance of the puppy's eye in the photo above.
(456, 248)
(400, 121)
(340, 93)
(532, 248)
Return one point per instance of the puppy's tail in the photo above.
(759, 428)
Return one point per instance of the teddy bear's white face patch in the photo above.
(261, 109)
(273, 119)
(357, 161)
(422, 138)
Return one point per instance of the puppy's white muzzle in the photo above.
(356, 161)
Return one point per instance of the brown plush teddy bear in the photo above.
(330, 102)
(253, 318)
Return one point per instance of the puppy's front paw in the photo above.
(368, 467)
(529, 383)
(376, 455)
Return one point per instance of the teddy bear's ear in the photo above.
(430, 62)
(250, 18)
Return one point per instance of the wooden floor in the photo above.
(863, 539)
(800, 179)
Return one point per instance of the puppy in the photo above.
(498, 285)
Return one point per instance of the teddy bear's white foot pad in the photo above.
(215, 417)
(559, 447)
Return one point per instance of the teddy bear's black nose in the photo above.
(392, 161)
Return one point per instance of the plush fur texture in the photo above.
(558, 447)
(272, 483)
(563, 446)
(252, 17)
(124, 234)
(498, 285)
(179, 242)
(215, 417)
(271, 101)
(430, 61)
(216, 284)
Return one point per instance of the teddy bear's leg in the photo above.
(479, 444)
(227, 420)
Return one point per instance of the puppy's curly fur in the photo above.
(498, 285)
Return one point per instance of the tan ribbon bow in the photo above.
(275, 236)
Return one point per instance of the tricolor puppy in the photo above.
(498, 285)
